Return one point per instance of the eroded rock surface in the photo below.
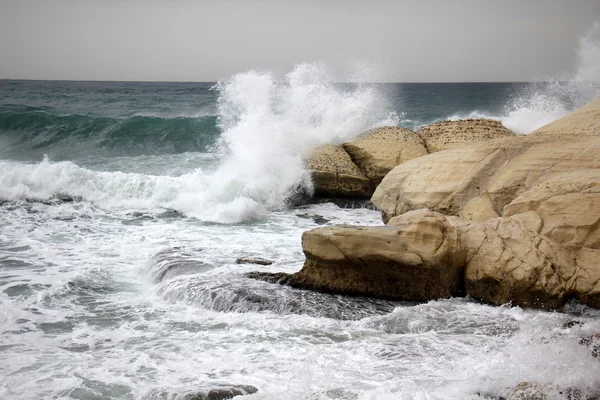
(382, 149)
(451, 134)
(503, 170)
(417, 257)
(335, 174)
(508, 263)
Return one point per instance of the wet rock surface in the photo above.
(256, 260)
(300, 301)
(222, 393)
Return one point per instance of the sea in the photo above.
(125, 205)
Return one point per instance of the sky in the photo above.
(201, 40)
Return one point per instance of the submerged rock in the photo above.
(257, 260)
(174, 261)
(593, 343)
(547, 391)
(222, 393)
(309, 302)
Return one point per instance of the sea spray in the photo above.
(544, 102)
(270, 126)
(536, 104)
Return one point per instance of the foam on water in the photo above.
(125, 306)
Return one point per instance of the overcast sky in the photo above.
(184, 40)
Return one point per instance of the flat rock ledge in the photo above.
(424, 255)
(365, 261)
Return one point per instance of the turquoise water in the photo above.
(123, 207)
(73, 120)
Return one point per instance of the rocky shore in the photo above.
(470, 209)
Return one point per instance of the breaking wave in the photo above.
(268, 127)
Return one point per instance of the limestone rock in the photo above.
(587, 283)
(382, 149)
(568, 204)
(417, 257)
(583, 121)
(503, 169)
(451, 134)
(335, 174)
(445, 181)
(478, 209)
(508, 263)
(542, 161)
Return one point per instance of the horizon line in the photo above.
(213, 82)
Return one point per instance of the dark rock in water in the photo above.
(593, 342)
(222, 393)
(259, 261)
(58, 198)
(309, 302)
(341, 202)
(547, 391)
(317, 219)
(571, 323)
(273, 277)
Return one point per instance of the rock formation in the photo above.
(335, 174)
(501, 170)
(416, 257)
(372, 156)
(508, 262)
(382, 149)
(510, 220)
(583, 121)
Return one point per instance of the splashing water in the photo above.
(268, 128)
(543, 103)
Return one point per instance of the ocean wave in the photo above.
(268, 128)
(27, 130)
